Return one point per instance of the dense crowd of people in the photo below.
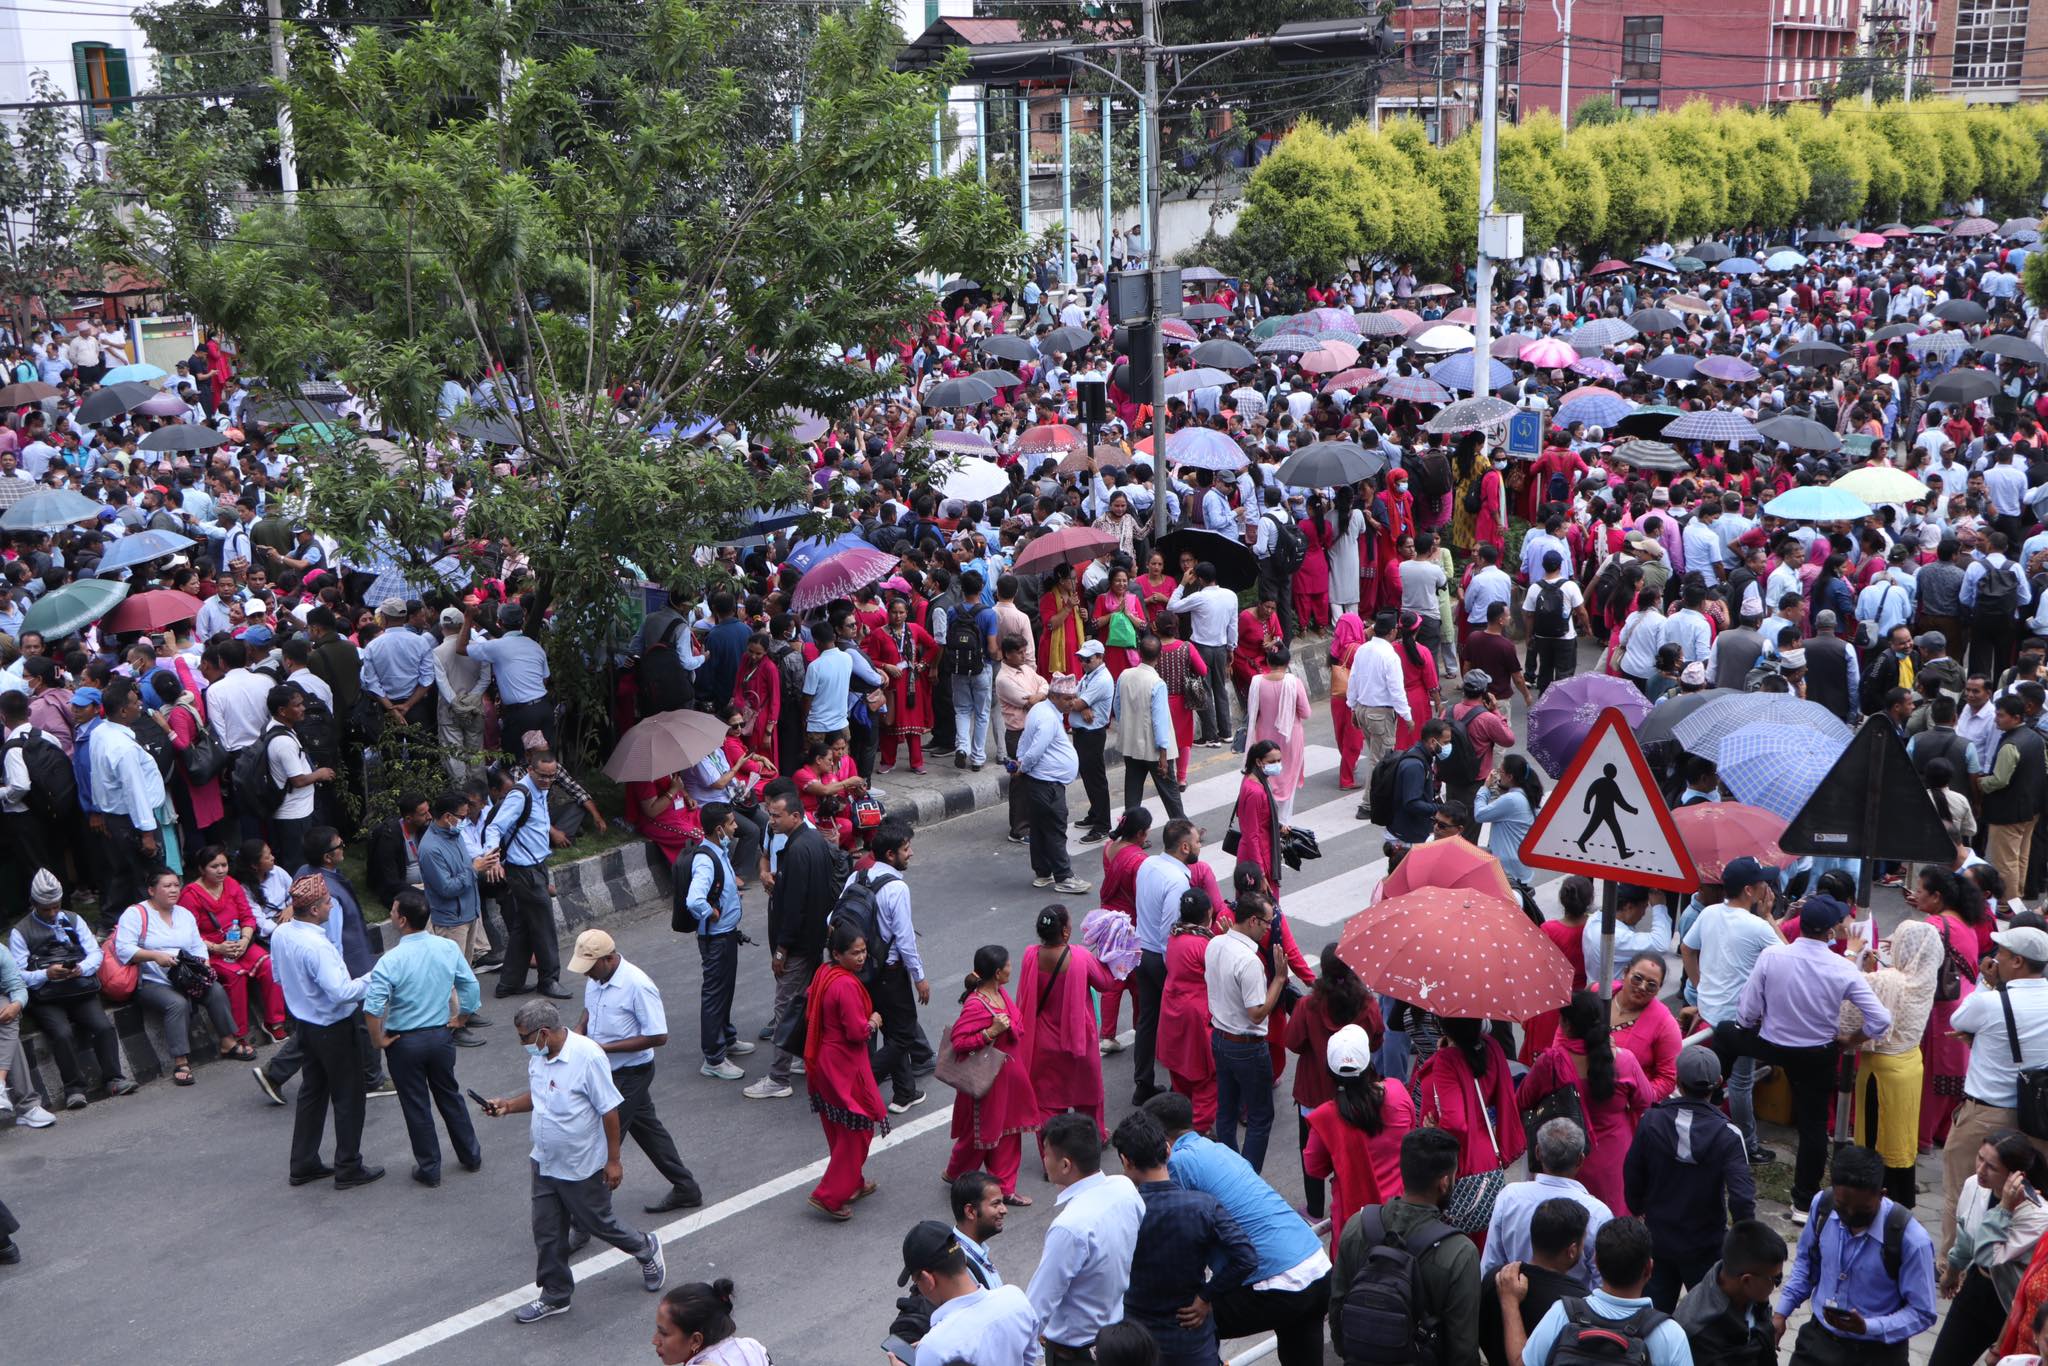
(183, 775)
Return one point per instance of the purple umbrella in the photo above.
(840, 577)
(1728, 369)
(1597, 367)
(1563, 717)
(1415, 389)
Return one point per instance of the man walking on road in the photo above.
(521, 833)
(1161, 880)
(1376, 694)
(323, 998)
(798, 906)
(420, 996)
(575, 1157)
(623, 1015)
(709, 891)
(899, 987)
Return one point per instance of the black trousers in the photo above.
(1279, 587)
(1811, 1072)
(1089, 744)
(942, 714)
(529, 928)
(896, 1002)
(638, 1121)
(1148, 986)
(63, 1021)
(125, 867)
(517, 718)
(33, 843)
(1045, 817)
(863, 740)
(719, 956)
(1136, 771)
(1549, 659)
(333, 1077)
(1670, 1275)
(285, 1063)
(1214, 724)
(422, 1063)
(1973, 1323)
(1019, 822)
(1816, 1346)
(1294, 1317)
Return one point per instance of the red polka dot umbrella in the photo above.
(1459, 954)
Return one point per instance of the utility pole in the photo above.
(1489, 97)
(287, 149)
(1912, 43)
(1160, 487)
(1105, 191)
(1066, 190)
(1437, 61)
(1024, 161)
(981, 137)
(1564, 69)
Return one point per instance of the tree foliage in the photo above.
(38, 197)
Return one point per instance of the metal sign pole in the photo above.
(1609, 899)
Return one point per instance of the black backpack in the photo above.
(665, 685)
(789, 663)
(156, 741)
(205, 757)
(1998, 592)
(859, 907)
(1429, 476)
(682, 919)
(1893, 1245)
(52, 784)
(1383, 1319)
(1551, 617)
(1290, 547)
(318, 733)
(1590, 1339)
(1463, 766)
(253, 787)
(966, 653)
(1381, 787)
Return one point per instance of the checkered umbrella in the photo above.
(1703, 731)
(1286, 344)
(1712, 425)
(1602, 332)
(1593, 406)
(1415, 389)
(1937, 344)
(1775, 767)
(1390, 322)
(394, 581)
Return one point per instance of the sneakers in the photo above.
(653, 1267)
(35, 1117)
(270, 1091)
(1070, 886)
(384, 1088)
(897, 1107)
(1095, 837)
(1041, 882)
(1761, 1157)
(1799, 1214)
(723, 1070)
(739, 1048)
(1017, 837)
(533, 1311)
(74, 1100)
(767, 1089)
(125, 1086)
(1112, 1045)
(796, 1067)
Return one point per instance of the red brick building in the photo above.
(1982, 53)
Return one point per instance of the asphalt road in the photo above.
(161, 1228)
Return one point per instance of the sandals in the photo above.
(1018, 1200)
(841, 1215)
(182, 1074)
(865, 1191)
(241, 1052)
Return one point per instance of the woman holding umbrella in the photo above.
(908, 657)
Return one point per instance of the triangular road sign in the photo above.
(1606, 818)
(1872, 804)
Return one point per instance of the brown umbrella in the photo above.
(1104, 454)
(30, 391)
(1688, 303)
(667, 742)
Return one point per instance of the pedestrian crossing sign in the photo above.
(1606, 818)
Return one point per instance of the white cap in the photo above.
(1349, 1052)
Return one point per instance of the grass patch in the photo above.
(1774, 1179)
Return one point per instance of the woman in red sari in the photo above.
(988, 1133)
(908, 657)
(1057, 1037)
(1312, 580)
(1179, 665)
(1391, 516)
(759, 695)
(1119, 637)
(1155, 586)
(1122, 852)
(1184, 1029)
(838, 1022)
(1059, 608)
(663, 815)
(830, 774)
(1466, 1089)
(1257, 626)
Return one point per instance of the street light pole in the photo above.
(1160, 487)
(1489, 97)
(1912, 43)
(287, 148)
(1564, 69)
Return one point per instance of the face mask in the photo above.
(1443, 751)
(538, 1050)
(1272, 770)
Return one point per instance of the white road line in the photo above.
(1210, 794)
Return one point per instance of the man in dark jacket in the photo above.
(1728, 1314)
(392, 856)
(1415, 784)
(1557, 1247)
(1831, 668)
(1895, 666)
(1189, 1253)
(1693, 1159)
(1446, 1272)
(799, 902)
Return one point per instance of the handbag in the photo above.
(206, 757)
(1231, 839)
(191, 975)
(866, 812)
(2031, 1114)
(1563, 1103)
(1948, 978)
(118, 979)
(1470, 1206)
(974, 1075)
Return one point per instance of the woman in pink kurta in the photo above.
(186, 716)
(1418, 680)
(1184, 1045)
(1345, 639)
(1954, 907)
(1058, 1042)
(1179, 665)
(987, 1133)
(1276, 709)
(1256, 817)
(839, 1019)
(1117, 600)
(1312, 580)
(1465, 1089)
(1355, 1139)
(759, 695)
(1643, 1025)
(1613, 1092)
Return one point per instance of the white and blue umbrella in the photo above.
(1773, 766)
(1455, 372)
(1702, 731)
(49, 510)
(1602, 332)
(139, 547)
(820, 548)
(1205, 448)
(1187, 381)
(1656, 263)
(1596, 409)
(1712, 425)
(1783, 260)
(133, 374)
(405, 582)
(1817, 503)
(1741, 265)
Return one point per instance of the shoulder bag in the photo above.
(2031, 1114)
(118, 979)
(974, 1075)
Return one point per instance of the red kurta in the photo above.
(759, 696)
(910, 692)
(1057, 1041)
(1011, 1105)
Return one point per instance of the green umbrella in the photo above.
(1269, 326)
(1859, 445)
(72, 606)
(324, 432)
(1688, 264)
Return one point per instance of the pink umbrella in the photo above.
(1548, 353)
(1177, 329)
(1352, 379)
(663, 744)
(1049, 436)
(840, 577)
(163, 405)
(1868, 241)
(1329, 357)
(1467, 315)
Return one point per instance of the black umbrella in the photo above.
(2013, 348)
(1225, 354)
(1008, 347)
(1962, 386)
(1800, 433)
(1652, 455)
(959, 285)
(1964, 311)
(112, 401)
(1824, 237)
(1203, 313)
(1066, 340)
(1713, 253)
(1655, 320)
(494, 430)
(285, 412)
(959, 393)
(1649, 422)
(182, 436)
(1236, 566)
(998, 379)
(1815, 353)
(1892, 330)
(1329, 464)
(1672, 365)
(1655, 729)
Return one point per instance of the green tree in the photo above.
(1919, 154)
(1597, 112)
(1414, 221)
(1690, 141)
(1312, 194)
(1838, 173)
(2034, 278)
(1643, 192)
(38, 198)
(480, 193)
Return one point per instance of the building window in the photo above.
(1639, 101)
(1642, 48)
(1991, 38)
(102, 73)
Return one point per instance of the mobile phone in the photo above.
(900, 1349)
(481, 1103)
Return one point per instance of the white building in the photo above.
(91, 49)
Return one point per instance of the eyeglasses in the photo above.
(1637, 979)
(1444, 823)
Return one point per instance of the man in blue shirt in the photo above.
(1045, 764)
(1090, 732)
(972, 691)
(398, 668)
(519, 665)
(419, 994)
(724, 643)
(829, 680)
(1622, 1254)
(518, 828)
(1868, 1267)
(710, 895)
(1161, 880)
(1190, 1251)
(323, 999)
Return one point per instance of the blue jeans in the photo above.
(720, 956)
(1244, 1081)
(1741, 1101)
(971, 694)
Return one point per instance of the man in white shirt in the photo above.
(1240, 1000)
(1720, 949)
(623, 1015)
(1638, 928)
(237, 697)
(982, 1327)
(1991, 1087)
(1212, 627)
(292, 773)
(1084, 1267)
(1376, 694)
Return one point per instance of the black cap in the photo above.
(927, 1247)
